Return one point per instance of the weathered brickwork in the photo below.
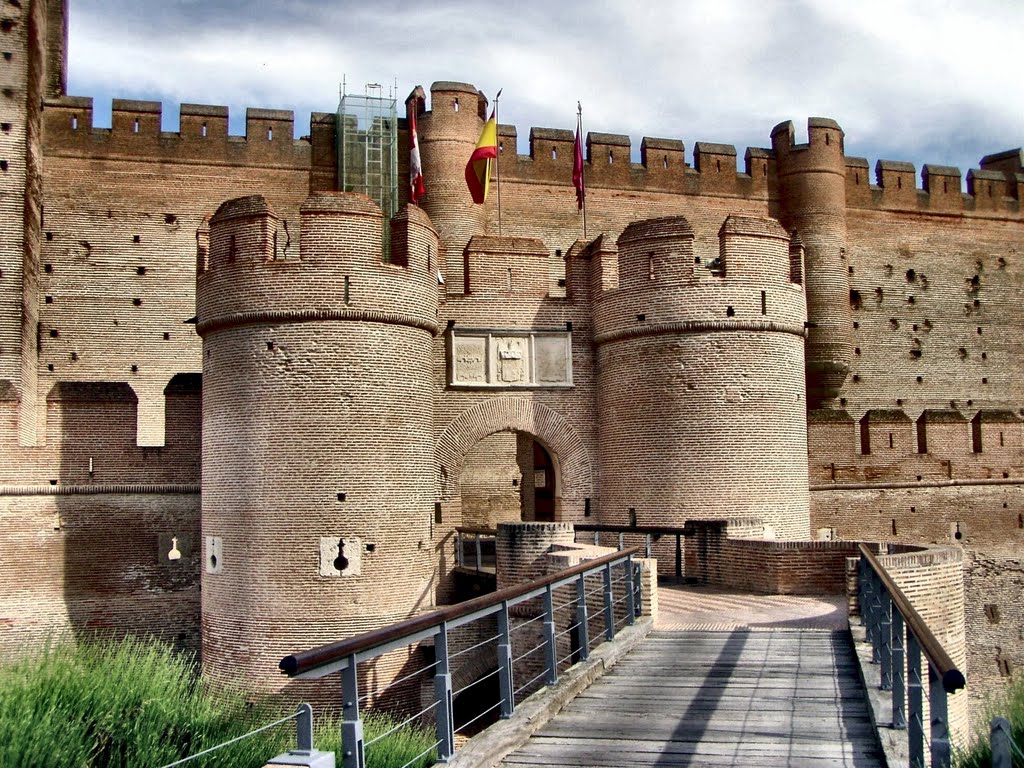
(789, 343)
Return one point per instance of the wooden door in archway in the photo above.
(543, 485)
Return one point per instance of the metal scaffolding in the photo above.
(368, 149)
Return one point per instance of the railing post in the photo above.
(597, 538)
(638, 583)
(443, 697)
(899, 680)
(622, 541)
(459, 554)
(609, 605)
(937, 698)
(915, 703)
(885, 637)
(582, 619)
(479, 554)
(304, 728)
(353, 754)
(630, 593)
(1000, 736)
(647, 546)
(550, 652)
(508, 704)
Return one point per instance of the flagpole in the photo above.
(497, 157)
(583, 166)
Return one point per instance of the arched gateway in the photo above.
(568, 451)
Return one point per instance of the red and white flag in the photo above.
(577, 166)
(416, 187)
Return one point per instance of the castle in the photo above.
(213, 374)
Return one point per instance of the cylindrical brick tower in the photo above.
(812, 201)
(448, 134)
(317, 383)
(701, 380)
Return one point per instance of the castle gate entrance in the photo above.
(510, 458)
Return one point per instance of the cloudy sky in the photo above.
(926, 81)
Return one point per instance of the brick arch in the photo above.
(547, 426)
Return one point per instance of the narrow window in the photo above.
(865, 436)
(74, 123)
(764, 303)
(890, 440)
(828, 139)
(554, 153)
(1001, 443)
(899, 183)
(203, 130)
(922, 434)
(664, 162)
(611, 157)
(455, 104)
(650, 266)
(270, 134)
(976, 433)
(135, 126)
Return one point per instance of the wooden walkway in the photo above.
(772, 697)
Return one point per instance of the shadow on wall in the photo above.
(127, 516)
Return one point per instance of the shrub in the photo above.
(138, 703)
(1010, 705)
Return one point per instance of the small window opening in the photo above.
(3, 165)
(893, 524)
(664, 161)
(650, 266)
(7, 55)
(899, 183)
(170, 218)
(865, 436)
(455, 104)
(554, 153)
(990, 190)
(54, 333)
(828, 139)
(202, 131)
(140, 270)
(167, 336)
(501, 147)
(890, 440)
(922, 434)
(856, 350)
(855, 299)
(49, 236)
(135, 125)
(976, 434)
(510, 278)
(984, 380)
(348, 288)
(718, 166)
(5, 127)
(49, 299)
(48, 268)
(270, 134)
(911, 275)
(136, 239)
(611, 157)
(764, 303)
(137, 302)
(730, 312)
(74, 123)
(856, 179)
(135, 369)
(945, 187)
(920, 379)
(1001, 443)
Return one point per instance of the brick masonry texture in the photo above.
(305, 367)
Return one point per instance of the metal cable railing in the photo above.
(620, 594)
(900, 639)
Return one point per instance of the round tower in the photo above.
(701, 380)
(812, 201)
(448, 134)
(317, 381)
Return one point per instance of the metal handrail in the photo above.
(913, 663)
(332, 657)
(345, 655)
(952, 678)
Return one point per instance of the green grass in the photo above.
(1009, 705)
(139, 704)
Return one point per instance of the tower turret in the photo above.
(448, 134)
(317, 376)
(812, 201)
(701, 379)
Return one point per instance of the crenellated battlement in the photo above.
(258, 270)
(202, 136)
(662, 284)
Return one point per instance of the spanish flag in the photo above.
(478, 169)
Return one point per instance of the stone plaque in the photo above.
(495, 359)
(553, 356)
(470, 359)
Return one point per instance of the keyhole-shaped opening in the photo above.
(175, 553)
(213, 561)
(341, 562)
